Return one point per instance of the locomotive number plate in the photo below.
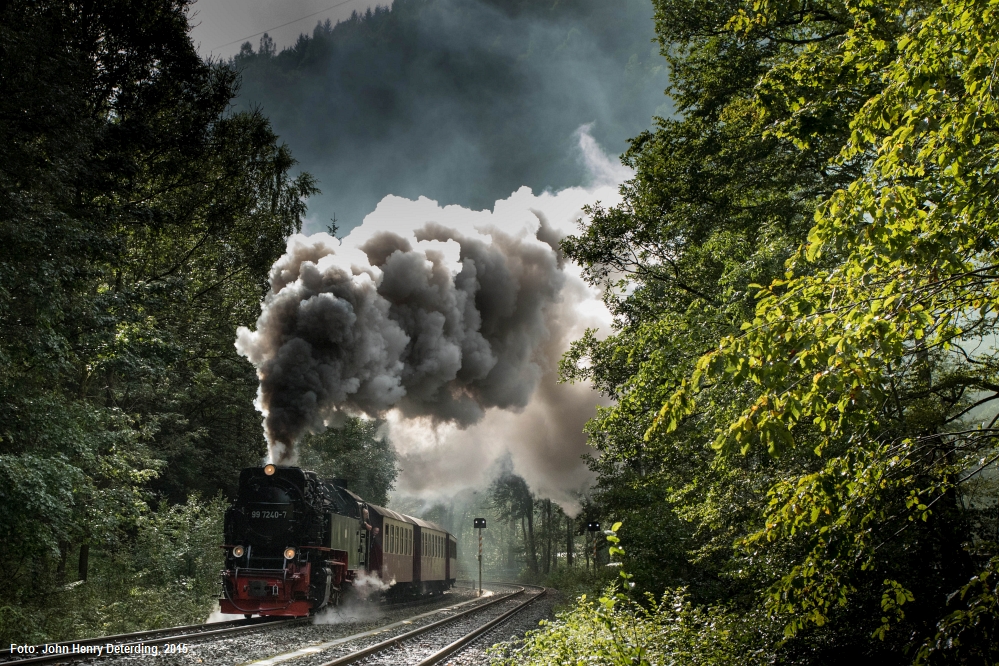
(268, 514)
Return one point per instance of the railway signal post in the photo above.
(593, 527)
(480, 524)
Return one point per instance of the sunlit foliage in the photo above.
(804, 367)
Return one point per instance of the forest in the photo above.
(797, 460)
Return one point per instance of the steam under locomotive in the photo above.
(295, 543)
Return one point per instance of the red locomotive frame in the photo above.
(282, 592)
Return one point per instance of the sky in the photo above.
(220, 26)
(449, 420)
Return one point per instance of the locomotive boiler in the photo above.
(295, 543)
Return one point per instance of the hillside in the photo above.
(458, 100)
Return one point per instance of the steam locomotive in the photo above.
(295, 543)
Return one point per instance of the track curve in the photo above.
(419, 639)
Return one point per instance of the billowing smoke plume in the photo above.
(401, 328)
(446, 321)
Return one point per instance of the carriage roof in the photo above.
(395, 515)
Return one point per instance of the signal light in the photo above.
(289, 553)
(238, 551)
(269, 469)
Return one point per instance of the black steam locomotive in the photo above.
(295, 543)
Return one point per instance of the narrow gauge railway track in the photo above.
(167, 635)
(444, 637)
(424, 645)
(444, 643)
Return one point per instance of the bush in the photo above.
(166, 573)
(617, 630)
(573, 583)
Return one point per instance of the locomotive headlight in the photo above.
(269, 469)
(289, 553)
(238, 551)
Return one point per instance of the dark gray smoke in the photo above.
(403, 327)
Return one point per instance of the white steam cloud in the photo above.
(446, 321)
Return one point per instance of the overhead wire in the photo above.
(256, 34)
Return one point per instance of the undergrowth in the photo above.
(166, 572)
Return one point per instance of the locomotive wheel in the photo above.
(247, 615)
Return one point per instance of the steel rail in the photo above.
(146, 632)
(383, 645)
(167, 635)
(191, 630)
(448, 650)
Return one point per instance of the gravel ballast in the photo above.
(305, 644)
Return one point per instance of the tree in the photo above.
(514, 502)
(878, 338)
(717, 204)
(356, 452)
(809, 448)
(139, 218)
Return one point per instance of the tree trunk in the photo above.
(511, 547)
(84, 566)
(532, 546)
(527, 549)
(547, 543)
(552, 542)
(568, 542)
(63, 556)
